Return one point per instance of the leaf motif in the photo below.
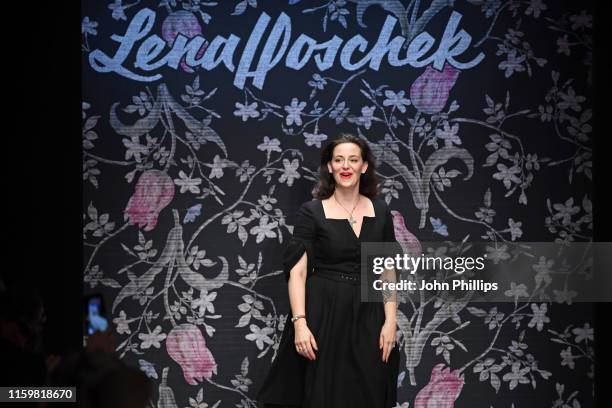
(92, 212)
(244, 367)
(140, 283)
(439, 158)
(193, 125)
(477, 312)
(460, 344)
(141, 126)
(128, 250)
(487, 198)
(90, 123)
(390, 158)
(110, 283)
(244, 320)
(240, 8)
(243, 235)
(393, 6)
(495, 382)
(198, 281)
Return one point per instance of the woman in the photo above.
(336, 351)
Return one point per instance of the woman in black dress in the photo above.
(336, 351)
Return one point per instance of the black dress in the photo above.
(348, 370)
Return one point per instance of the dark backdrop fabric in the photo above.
(192, 179)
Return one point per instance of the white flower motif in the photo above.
(217, 167)
(187, 183)
(567, 358)
(205, 302)
(367, 115)
(539, 316)
(294, 112)
(543, 271)
(260, 336)
(517, 375)
(516, 291)
(314, 138)
(397, 100)
(121, 323)
(507, 174)
(246, 111)
(269, 145)
(264, 229)
(485, 214)
(290, 173)
(564, 296)
(571, 100)
(449, 134)
(93, 276)
(496, 254)
(581, 20)
(134, 148)
(152, 338)
(88, 26)
(565, 211)
(514, 63)
(118, 10)
(584, 333)
(515, 229)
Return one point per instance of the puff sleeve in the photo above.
(302, 240)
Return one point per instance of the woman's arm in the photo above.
(390, 296)
(305, 342)
(389, 328)
(297, 288)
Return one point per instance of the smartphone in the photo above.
(95, 314)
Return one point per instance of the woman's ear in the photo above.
(329, 168)
(365, 167)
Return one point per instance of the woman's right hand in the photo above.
(305, 343)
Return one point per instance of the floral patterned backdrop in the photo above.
(195, 161)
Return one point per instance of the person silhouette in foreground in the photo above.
(22, 318)
(102, 379)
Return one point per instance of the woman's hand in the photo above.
(304, 340)
(386, 341)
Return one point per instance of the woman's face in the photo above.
(347, 165)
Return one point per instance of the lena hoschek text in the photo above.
(264, 52)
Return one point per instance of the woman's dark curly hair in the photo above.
(368, 184)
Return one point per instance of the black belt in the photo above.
(351, 278)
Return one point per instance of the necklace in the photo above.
(351, 219)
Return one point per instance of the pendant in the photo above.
(352, 221)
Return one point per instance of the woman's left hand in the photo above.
(386, 341)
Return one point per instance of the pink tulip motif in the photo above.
(429, 93)
(154, 191)
(185, 23)
(186, 345)
(408, 241)
(442, 391)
